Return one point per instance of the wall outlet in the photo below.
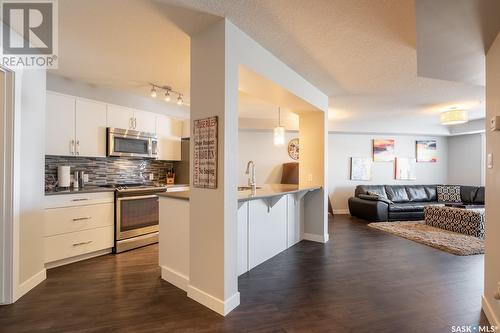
(310, 177)
(490, 161)
(151, 176)
(497, 294)
(86, 178)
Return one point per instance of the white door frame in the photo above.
(7, 97)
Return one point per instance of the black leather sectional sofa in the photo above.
(377, 203)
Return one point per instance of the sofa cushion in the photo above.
(376, 189)
(468, 193)
(397, 193)
(417, 193)
(448, 193)
(431, 192)
(410, 206)
(479, 197)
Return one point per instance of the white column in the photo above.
(213, 277)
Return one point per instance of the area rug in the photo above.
(451, 242)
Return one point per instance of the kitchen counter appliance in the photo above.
(136, 215)
(129, 143)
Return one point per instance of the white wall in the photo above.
(258, 146)
(341, 147)
(465, 159)
(492, 252)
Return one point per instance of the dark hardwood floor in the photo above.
(363, 280)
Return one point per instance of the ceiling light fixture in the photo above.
(167, 96)
(454, 117)
(279, 132)
(155, 88)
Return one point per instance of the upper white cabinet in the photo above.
(75, 127)
(169, 132)
(60, 125)
(120, 117)
(126, 118)
(90, 128)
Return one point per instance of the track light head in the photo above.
(153, 92)
(179, 99)
(167, 96)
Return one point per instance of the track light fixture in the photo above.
(168, 93)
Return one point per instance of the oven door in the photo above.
(136, 215)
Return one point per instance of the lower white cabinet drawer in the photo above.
(71, 219)
(78, 243)
(78, 199)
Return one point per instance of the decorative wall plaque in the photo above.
(205, 153)
(293, 149)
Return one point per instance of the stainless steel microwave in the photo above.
(121, 142)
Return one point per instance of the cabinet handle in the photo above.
(77, 147)
(81, 199)
(82, 243)
(82, 218)
(72, 147)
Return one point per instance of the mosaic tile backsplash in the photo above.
(109, 170)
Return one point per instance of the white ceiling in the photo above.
(362, 53)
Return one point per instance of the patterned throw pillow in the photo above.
(448, 193)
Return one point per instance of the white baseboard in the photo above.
(71, 260)
(341, 212)
(316, 238)
(29, 284)
(490, 314)
(213, 303)
(179, 280)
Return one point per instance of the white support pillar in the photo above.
(313, 168)
(213, 279)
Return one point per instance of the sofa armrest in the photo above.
(371, 210)
(374, 198)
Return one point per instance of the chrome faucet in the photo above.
(252, 182)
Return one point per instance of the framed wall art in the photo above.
(361, 168)
(205, 142)
(406, 168)
(426, 151)
(383, 150)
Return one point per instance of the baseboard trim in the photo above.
(29, 284)
(316, 238)
(67, 261)
(488, 311)
(341, 212)
(179, 280)
(213, 303)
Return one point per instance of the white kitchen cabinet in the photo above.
(60, 125)
(168, 131)
(90, 128)
(127, 118)
(243, 238)
(267, 229)
(144, 121)
(120, 117)
(186, 128)
(77, 227)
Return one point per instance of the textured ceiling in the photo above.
(362, 53)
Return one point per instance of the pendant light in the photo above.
(279, 132)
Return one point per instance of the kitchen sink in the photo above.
(246, 188)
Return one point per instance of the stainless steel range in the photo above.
(137, 220)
